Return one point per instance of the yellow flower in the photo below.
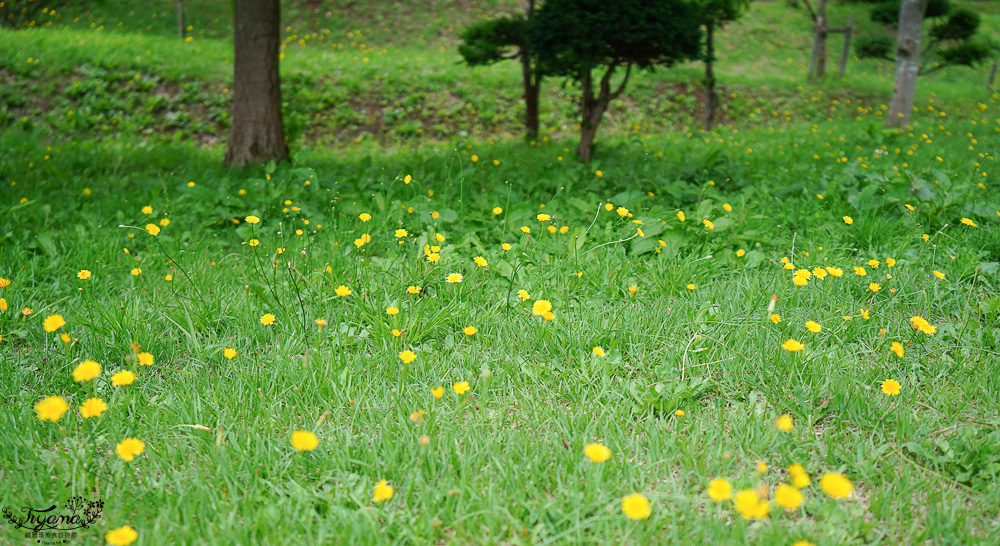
(320, 322)
(122, 378)
(792, 346)
(53, 323)
(497, 210)
(87, 370)
(873, 263)
(252, 219)
(848, 220)
(919, 323)
(788, 497)
(407, 356)
(720, 490)
(761, 467)
(938, 274)
(540, 307)
(128, 448)
(413, 289)
(836, 485)
(438, 391)
(598, 351)
(470, 330)
(542, 217)
(480, 261)
(598, 173)
(168, 278)
(229, 353)
(819, 273)
(303, 440)
(622, 211)
(153, 229)
(62, 337)
(597, 453)
(400, 233)
(897, 348)
(636, 506)
(454, 278)
(874, 287)
(254, 242)
(396, 332)
(835, 271)
(740, 253)
(680, 215)
(784, 423)
(4, 283)
(891, 387)
(889, 262)
(691, 286)
(461, 387)
(813, 327)
(342, 291)
(633, 289)
(800, 479)
(145, 359)
(803, 543)
(51, 408)
(775, 318)
(750, 505)
(525, 229)
(83, 274)
(364, 216)
(860, 271)
(136, 272)
(383, 491)
(709, 224)
(799, 281)
(267, 319)
(679, 413)
(122, 536)
(727, 207)
(968, 222)
(147, 210)
(523, 295)
(92, 407)
(864, 314)
(505, 247)
(392, 311)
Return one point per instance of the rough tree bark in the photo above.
(911, 21)
(711, 97)
(257, 133)
(592, 107)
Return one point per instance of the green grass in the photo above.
(504, 462)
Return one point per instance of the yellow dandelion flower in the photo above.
(122, 536)
(836, 485)
(596, 452)
(342, 291)
(83, 274)
(53, 323)
(122, 378)
(636, 507)
(720, 490)
(407, 356)
(461, 387)
(128, 448)
(454, 278)
(303, 440)
(470, 330)
(784, 423)
(229, 353)
(92, 407)
(146, 359)
(813, 326)
(267, 319)
(51, 408)
(891, 387)
(382, 492)
(792, 346)
(87, 370)
(788, 497)
(540, 307)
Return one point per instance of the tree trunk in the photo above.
(591, 110)
(257, 133)
(817, 60)
(531, 86)
(180, 19)
(711, 98)
(911, 21)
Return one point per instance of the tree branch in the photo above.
(618, 92)
(812, 12)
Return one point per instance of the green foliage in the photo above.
(572, 36)
(960, 25)
(494, 40)
(879, 46)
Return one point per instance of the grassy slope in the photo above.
(345, 86)
(497, 468)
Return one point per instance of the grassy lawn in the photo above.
(463, 315)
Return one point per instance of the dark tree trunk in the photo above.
(817, 60)
(180, 19)
(592, 107)
(911, 22)
(257, 133)
(531, 86)
(711, 97)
